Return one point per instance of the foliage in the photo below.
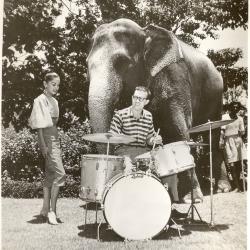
(21, 189)
(235, 78)
(225, 57)
(187, 19)
(26, 190)
(26, 27)
(71, 188)
(43, 48)
(22, 160)
(23, 165)
(20, 155)
(33, 43)
(120, 9)
(73, 146)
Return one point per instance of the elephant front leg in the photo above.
(174, 123)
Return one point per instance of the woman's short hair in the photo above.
(145, 89)
(51, 76)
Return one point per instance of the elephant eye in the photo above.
(121, 63)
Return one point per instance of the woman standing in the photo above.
(44, 117)
(234, 147)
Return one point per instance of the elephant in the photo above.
(186, 87)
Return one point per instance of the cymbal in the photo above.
(196, 144)
(108, 138)
(206, 126)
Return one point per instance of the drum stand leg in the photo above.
(86, 212)
(192, 207)
(98, 228)
(177, 227)
(96, 205)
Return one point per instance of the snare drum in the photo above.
(173, 158)
(170, 159)
(96, 171)
(137, 206)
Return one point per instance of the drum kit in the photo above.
(135, 204)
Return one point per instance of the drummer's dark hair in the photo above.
(145, 89)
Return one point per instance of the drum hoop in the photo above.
(109, 184)
(117, 177)
(170, 173)
(142, 158)
(101, 157)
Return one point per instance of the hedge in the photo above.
(22, 162)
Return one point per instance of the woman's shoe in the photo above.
(52, 218)
(59, 220)
(219, 190)
(236, 190)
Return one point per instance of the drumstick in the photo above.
(155, 137)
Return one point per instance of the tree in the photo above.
(187, 19)
(27, 26)
(33, 45)
(235, 78)
(30, 33)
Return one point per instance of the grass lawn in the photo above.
(21, 229)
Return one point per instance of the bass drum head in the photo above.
(137, 207)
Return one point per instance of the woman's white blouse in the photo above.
(44, 109)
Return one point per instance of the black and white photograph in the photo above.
(124, 124)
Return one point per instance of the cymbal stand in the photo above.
(106, 171)
(192, 206)
(107, 155)
(211, 173)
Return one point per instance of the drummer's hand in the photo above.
(221, 145)
(157, 140)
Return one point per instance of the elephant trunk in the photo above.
(104, 92)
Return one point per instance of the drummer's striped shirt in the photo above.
(142, 129)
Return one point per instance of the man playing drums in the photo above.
(137, 122)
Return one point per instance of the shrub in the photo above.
(71, 187)
(22, 159)
(21, 189)
(73, 146)
(22, 162)
(20, 155)
(24, 189)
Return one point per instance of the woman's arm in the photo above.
(241, 126)
(41, 142)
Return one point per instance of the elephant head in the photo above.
(124, 55)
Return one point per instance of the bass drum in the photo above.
(137, 206)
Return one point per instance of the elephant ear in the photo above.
(161, 49)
